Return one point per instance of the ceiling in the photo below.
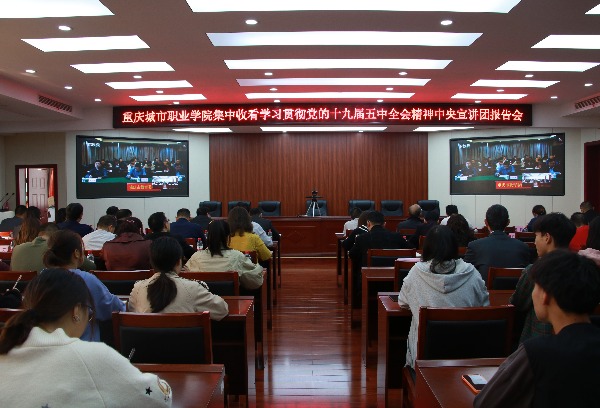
(178, 36)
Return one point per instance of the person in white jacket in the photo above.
(44, 364)
(218, 257)
(441, 279)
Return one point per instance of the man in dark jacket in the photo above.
(413, 220)
(267, 225)
(202, 217)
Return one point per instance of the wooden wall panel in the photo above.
(341, 166)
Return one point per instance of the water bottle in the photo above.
(269, 233)
(90, 257)
(198, 244)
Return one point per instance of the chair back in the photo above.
(8, 279)
(363, 205)
(479, 235)
(407, 232)
(429, 205)
(270, 208)
(121, 282)
(191, 242)
(322, 207)
(164, 338)
(6, 314)
(465, 332)
(462, 251)
(503, 278)
(421, 241)
(238, 203)
(215, 208)
(219, 283)
(392, 208)
(401, 269)
(509, 230)
(525, 236)
(4, 234)
(387, 257)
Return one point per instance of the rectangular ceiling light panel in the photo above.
(329, 95)
(183, 97)
(112, 67)
(517, 83)
(149, 84)
(534, 66)
(248, 39)
(458, 6)
(577, 42)
(475, 96)
(54, 8)
(120, 42)
(333, 81)
(337, 64)
(323, 128)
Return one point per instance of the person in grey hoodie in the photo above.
(441, 279)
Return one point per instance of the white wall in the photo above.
(473, 207)
(144, 207)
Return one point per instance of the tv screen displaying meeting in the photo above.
(126, 167)
(508, 165)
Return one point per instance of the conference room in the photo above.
(338, 103)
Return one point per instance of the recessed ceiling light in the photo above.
(333, 81)
(251, 22)
(512, 83)
(97, 100)
(30, 71)
(446, 22)
(579, 42)
(488, 96)
(287, 38)
(204, 130)
(64, 28)
(137, 77)
(389, 89)
(184, 97)
(268, 73)
(547, 66)
(379, 100)
(440, 128)
(589, 84)
(272, 89)
(499, 90)
(69, 87)
(276, 101)
(529, 76)
(121, 42)
(459, 6)
(331, 95)
(403, 73)
(149, 84)
(322, 128)
(113, 67)
(45, 8)
(554, 97)
(477, 101)
(159, 92)
(175, 103)
(360, 131)
(337, 64)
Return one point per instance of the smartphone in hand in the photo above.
(475, 382)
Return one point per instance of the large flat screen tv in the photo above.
(512, 165)
(127, 167)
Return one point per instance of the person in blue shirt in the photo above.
(182, 226)
(97, 172)
(65, 250)
(506, 169)
(136, 171)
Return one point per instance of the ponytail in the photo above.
(161, 292)
(16, 330)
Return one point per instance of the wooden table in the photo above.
(193, 385)
(439, 383)
(234, 344)
(374, 279)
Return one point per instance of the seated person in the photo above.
(160, 227)
(581, 234)
(265, 224)
(129, 251)
(183, 227)
(9, 224)
(414, 218)
(506, 169)
(592, 249)
(73, 222)
(65, 250)
(202, 218)
(452, 209)
(461, 229)
(218, 257)
(536, 211)
(104, 232)
(553, 168)
(353, 223)
(559, 370)
(136, 171)
(468, 170)
(431, 220)
(166, 292)
(348, 243)
(441, 279)
(97, 171)
(242, 236)
(40, 347)
(123, 213)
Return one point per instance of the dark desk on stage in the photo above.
(193, 385)
(439, 383)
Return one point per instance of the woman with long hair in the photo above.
(129, 250)
(461, 230)
(40, 350)
(28, 231)
(65, 250)
(166, 292)
(242, 237)
(218, 257)
(441, 279)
